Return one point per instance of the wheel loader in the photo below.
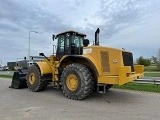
(79, 69)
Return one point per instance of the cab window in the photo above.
(60, 45)
(77, 41)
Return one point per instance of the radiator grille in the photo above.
(105, 61)
(128, 60)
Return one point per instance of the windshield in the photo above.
(77, 40)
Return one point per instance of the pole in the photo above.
(29, 43)
(29, 46)
(1, 63)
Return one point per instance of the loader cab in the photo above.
(69, 43)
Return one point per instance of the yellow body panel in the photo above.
(113, 55)
(124, 75)
(49, 66)
(108, 62)
(45, 68)
(115, 72)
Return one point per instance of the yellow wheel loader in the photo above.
(79, 69)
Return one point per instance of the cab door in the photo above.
(63, 46)
(60, 47)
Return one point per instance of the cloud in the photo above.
(29, 15)
(121, 22)
(132, 24)
(117, 15)
(142, 38)
(17, 18)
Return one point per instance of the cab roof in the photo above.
(71, 31)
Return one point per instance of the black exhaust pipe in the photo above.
(97, 36)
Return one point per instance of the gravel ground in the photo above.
(51, 104)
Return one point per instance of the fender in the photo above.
(44, 68)
(90, 61)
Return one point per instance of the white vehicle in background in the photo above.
(0, 68)
(4, 68)
(34, 59)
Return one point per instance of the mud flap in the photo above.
(19, 79)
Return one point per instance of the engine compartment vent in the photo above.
(105, 61)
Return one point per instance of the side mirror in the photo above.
(85, 42)
(53, 37)
(41, 54)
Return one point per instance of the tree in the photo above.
(154, 59)
(143, 61)
(158, 59)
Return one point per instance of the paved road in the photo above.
(21, 104)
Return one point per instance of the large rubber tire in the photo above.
(77, 81)
(34, 79)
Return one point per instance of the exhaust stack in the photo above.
(97, 36)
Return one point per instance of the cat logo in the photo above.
(115, 61)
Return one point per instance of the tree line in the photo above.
(148, 61)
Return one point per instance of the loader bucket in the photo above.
(19, 79)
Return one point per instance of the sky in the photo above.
(130, 24)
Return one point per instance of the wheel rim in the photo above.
(32, 78)
(72, 82)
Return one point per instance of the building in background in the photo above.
(24, 63)
(11, 65)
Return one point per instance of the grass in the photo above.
(148, 74)
(151, 71)
(151, 68)
(139, 87)
(5, 76)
